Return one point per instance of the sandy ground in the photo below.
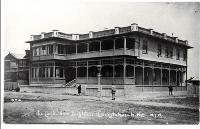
(47, 108)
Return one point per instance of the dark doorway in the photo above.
(70, 74)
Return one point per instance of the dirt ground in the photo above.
(44, 108)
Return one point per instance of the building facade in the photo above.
(16, 68)
(129, 56)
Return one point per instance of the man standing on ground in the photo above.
(79, 90)
(170, 90)
(113, 91)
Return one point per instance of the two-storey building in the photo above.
(16, 68)
(130, 56)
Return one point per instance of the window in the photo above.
(70, 49)
(167, 52)
(82, 48)
(159, 50)
(57, 72)
(144, 47)
(94, 46)
(50, 49)
(51, 72)
(165, 77)
(61, 72)
(130, 43)
(81, 72)
(107, 44)
(43, 50)
(47, 72)
(41, 72)
(107, 71)
(171, 53)
(185, 55)
(35, 51)
(33, 73)
(154, 76)
(60, 49)
(119, 43)
(178, 54)
(174, 77)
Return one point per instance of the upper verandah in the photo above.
(108, 32)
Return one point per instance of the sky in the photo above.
(22, 18)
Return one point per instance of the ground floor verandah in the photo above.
(114, 71)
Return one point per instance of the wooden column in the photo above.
(134, 73)
(87, 47)
(64, 50)
(181, 77)
(38, 72)
(161, 75)
(169, 76)
(186, 78)
(87, 73)
(142, 75)
(113, 78)
(76, 50)
(176, 80)
(54, 71)
(124, 69)
(124, 45)
(178, 76)
(54, 49)
(30, 73)
(114, 47)
(45, 69)
(153, 75)
(76, 72)
(100, 47)
(64, 71)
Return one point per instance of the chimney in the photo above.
(117, 30)
(134, 27)
(186, 42)
(42, 35)
(164, 35)
(27, 52)
(55, 33)
(151, 31)
(176, 39)
(32, 37)
(91, 34)
(75, 37)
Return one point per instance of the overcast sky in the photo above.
(25, 17)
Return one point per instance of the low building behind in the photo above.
(16, 69)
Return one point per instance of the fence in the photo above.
(10, 85)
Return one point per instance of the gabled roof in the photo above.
(14, 56)
(18, 56)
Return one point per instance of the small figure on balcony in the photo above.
(113, 91)
(79, 89)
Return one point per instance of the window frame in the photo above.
(144, 47)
